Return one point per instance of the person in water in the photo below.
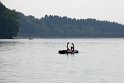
(68, 47)
(72, 47)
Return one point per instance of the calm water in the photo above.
(38, 61)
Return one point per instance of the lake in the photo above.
(38, 61)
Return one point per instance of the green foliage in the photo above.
(9, 23)
(56, 26)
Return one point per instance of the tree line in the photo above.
(9, 23)
(16, 24)
(57, 26)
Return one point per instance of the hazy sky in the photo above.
(111, 10)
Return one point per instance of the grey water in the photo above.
(38, 61)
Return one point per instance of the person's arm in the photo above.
(67, 45)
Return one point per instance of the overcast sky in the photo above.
(111, 10)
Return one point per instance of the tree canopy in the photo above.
(9, 23)
(56, 26)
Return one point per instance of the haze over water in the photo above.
(38, 61)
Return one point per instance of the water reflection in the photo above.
(5, 46)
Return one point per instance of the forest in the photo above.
(53, 26)
(9, 23)
(15, 24)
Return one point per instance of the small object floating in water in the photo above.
(30, 38)
(67, 52)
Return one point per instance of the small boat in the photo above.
(30, 38)
(67, 52)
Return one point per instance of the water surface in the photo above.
(38, 61)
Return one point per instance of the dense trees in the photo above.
(9, 23)
(56, 26)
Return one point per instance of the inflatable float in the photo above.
(67, 52)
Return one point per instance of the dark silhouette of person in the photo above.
(72, 47)
(68, 47)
